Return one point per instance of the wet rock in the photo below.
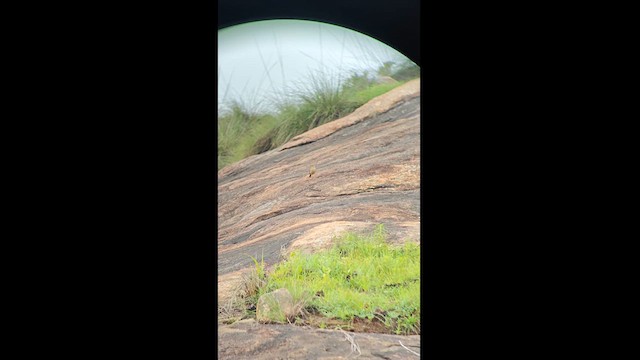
(276, 306)
(367, 173)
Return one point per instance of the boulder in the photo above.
(275, 307)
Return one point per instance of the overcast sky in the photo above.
(263, 58)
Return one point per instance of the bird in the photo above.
(312, 170)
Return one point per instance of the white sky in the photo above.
(263, 58)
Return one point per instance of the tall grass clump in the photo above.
(319, 100)
(313, 102)
(245, 130)
(407, 70)
(323, 100)
(239, 129)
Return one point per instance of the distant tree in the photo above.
(358, 81)
(386, 68)
(406, 71)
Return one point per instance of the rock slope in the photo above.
(367, 173)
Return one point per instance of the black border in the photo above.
(123, 176)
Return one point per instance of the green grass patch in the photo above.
(360, 278)
(363, 96)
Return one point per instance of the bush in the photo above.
(407, 71)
